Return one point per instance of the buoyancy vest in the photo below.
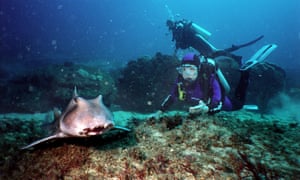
(207, 70)
(181, 92)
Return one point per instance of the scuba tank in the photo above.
(201, 31)
(224, 83)
(202, 36)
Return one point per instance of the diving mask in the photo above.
(189, 72)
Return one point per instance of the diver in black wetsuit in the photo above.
(188, 34)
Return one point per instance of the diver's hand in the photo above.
(199, 109)
(156, 115)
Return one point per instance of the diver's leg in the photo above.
(240, 92)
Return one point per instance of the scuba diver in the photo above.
(197, 85)
(188, 34)
(200, 82)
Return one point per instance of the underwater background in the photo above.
(124, 51)
(119, 31)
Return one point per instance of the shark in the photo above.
(81, 118)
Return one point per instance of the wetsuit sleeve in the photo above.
(166, 103)
(215, 104)
(169, 99)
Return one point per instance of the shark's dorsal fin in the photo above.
(75, 93)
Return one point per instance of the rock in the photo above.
(144, 83)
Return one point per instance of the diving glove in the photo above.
(199, 109)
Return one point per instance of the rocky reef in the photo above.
(236, 145)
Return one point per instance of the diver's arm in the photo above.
(169, 100)
(215, 104)
(166, 103)
(164, 106)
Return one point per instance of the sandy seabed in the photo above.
(228, 145)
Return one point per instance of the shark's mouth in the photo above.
(96, 130)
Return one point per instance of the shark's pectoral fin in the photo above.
(58, 135)
(121, 128)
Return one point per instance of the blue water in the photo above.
(120, 30)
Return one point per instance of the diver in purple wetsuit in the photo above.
(198, 86)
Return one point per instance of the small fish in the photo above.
(82, 118)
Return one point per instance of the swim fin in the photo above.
(259, 56)
(250, 107)
(227, 52)
(236, 47)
